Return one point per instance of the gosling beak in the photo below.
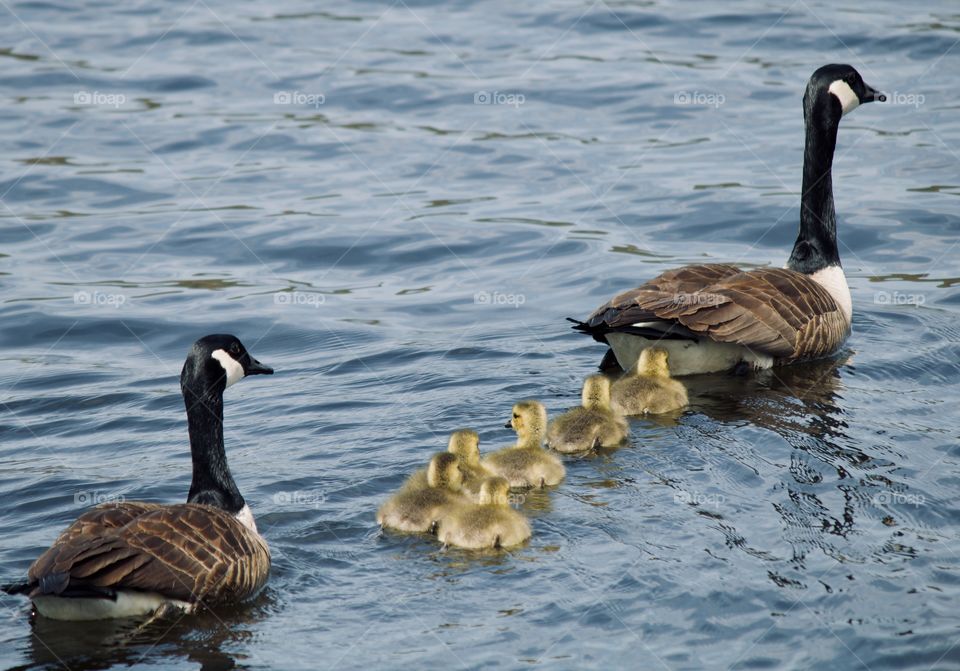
(872, 94)
(257, 368)
(508, 425)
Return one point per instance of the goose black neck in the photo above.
(212, 482)
(816, 245)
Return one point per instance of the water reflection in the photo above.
(801, 398)
(200, 638)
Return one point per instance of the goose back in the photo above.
(186, 552)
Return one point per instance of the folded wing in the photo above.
(188, 552)
(774, 311)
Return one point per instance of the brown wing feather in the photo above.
(625, 308)
(186, 551)
(776, 311)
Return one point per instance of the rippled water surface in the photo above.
(396, 205)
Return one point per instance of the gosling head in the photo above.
(529, 420)
(653, 362)
(837, 90)
(495, 491)
(596, 392)
(444, 472)
(465, 444)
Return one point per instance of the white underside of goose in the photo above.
(686, 357)
(127, 604)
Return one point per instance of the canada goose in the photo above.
(489, 523)
(647, 388)
(594, 424)
(419, 509)
(465, 444)
(527, 464)
(715, 317)
(132, 559)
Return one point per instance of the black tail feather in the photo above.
(58, 584)
(17, 588)
(53, 583)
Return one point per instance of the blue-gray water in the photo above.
(396, 205)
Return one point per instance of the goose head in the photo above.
(444, 472)
(217, 361)
(213, 364)
(653, 363)
(465, 444)
(529, 420)
(495, 491)
(840, 88)
(596, 392)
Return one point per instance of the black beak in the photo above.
(872, 94)
(508, 425)
(257, 368)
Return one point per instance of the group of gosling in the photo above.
(465, 500)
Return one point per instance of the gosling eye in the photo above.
(516, 416)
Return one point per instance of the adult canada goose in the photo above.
(131, 559)
(527, 464)
(416, 509)
(489, 523)
(648, 388)
(594, 424)
(714, 317)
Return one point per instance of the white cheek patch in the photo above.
(230, 365)
(848, 99)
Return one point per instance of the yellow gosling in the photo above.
(648, 387)
(594, 424)
(419, 509)
(527, 464)
(465, 444)
(491, 523)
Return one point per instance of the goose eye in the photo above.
(234, 348)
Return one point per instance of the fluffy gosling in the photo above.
(465, 444)
(648, 387)
(527, 464)
(419, 509)
(491, 523)
(594, 424)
